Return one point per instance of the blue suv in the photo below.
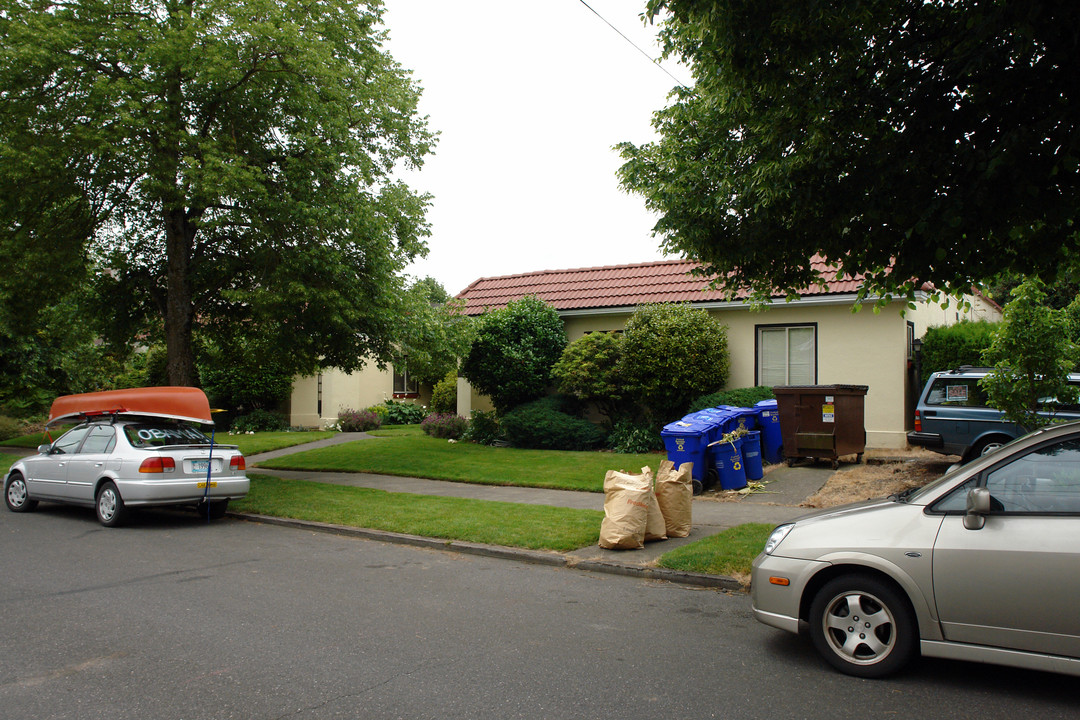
(953, 418)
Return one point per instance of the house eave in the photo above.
(806, 301)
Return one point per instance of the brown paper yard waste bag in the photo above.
(626, 509)
(675, 495)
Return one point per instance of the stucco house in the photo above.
(815, 340)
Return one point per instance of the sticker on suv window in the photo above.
(958, 393)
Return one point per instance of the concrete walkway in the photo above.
(785, 488)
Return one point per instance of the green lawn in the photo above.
(417, 455)
(730, 552)
(266, 441)
(536, 527)
(6, 461)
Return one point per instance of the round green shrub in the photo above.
(403, 413)
(10, 428)
(260, 421)
(444, 395)
(738, 397)
(484, 428)
(538, 426)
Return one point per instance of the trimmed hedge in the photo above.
(738, 397)
(538, 425)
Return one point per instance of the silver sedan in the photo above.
(981, 565)
(112, 465)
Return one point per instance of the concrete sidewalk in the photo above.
(785, 488)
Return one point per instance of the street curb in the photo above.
(535, 557)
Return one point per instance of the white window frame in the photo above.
(759, 360)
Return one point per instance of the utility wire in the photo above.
(650, 58)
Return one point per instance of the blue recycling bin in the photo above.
(769, 424)
(751, 452)
(728, 461)
(687, 440)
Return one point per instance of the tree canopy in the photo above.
(897, 138)
(220, 164)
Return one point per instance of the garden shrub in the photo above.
(403, 413)
(446, 426)
(737, 397)
(671, 353)
(260, 421)
(588, 370)
(10, 428)
(630, 437)
(358, 421)
(947, 348)
(515, 347)
(484, 428)
(537, 425)
(444, 394)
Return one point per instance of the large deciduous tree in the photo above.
(220, 163)
(898, 138)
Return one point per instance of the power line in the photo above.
(634, 45)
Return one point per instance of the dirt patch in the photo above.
(882, 473)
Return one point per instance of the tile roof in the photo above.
(620, 286)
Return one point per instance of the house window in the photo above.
(404, 386)
(786, 355)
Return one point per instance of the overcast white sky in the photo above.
(529, 98)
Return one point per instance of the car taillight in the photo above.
(160, 464)
(918, 422)
(237, 463)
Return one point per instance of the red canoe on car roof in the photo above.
(178, 403)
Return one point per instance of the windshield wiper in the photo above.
(902, 497)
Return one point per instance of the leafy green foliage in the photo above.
(444, 394)
(260, 421)
(671, 353)
(484, 428)
(403, 413)
(515, 348)
(632, 437)
(936, 138)
(436, 335)
(10, 428)
(589, 370)
(1032, 354)
(538, 425)
(225, 163)
(244, 375)
(950, 346)
(737, 397)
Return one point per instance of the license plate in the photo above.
(213, 484)
(200, 466)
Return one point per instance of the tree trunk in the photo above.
(180, 353)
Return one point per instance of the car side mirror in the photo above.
(978, 507)
(44, 449)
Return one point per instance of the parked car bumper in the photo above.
(930, 441)
(778, 604)
(181, 490)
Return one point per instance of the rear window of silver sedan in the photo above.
(144, 435)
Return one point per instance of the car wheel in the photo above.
(984, 447)
(862, 626)
(109, 506)
(16, 496)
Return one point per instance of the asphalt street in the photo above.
(173, 618)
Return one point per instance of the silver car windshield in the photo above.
(142, 435)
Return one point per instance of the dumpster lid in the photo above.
(822, 388)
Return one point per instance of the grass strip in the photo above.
(410, 455)
(535, 527)
(6, 461)
(266, 441)
(730, 552)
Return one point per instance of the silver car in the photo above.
(983, 565)
(114, 464)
